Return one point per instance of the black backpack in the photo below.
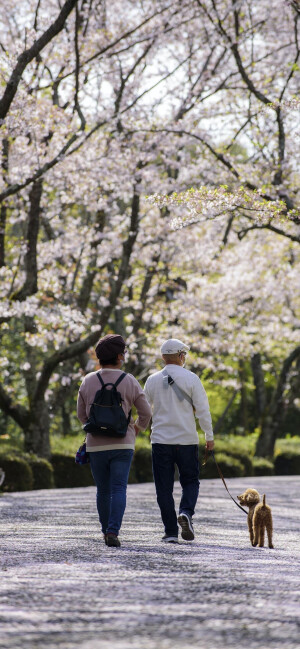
(107, 416)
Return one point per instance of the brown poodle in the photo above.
(259, 517)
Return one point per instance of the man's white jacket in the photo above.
(173, 421)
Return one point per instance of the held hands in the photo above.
(136, 428)
(209, 445)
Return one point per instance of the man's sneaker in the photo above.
(169, 539)
(187, 530)
(112, 540)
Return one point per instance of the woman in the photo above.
(111, 457)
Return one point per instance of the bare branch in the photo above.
(28, 55)
(77, 107)
(17, 412)
(242, 233)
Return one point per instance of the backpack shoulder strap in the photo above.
(115, 385)
(100, 379)
(120, 379)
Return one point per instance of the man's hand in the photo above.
(209, 445)
(136, 428)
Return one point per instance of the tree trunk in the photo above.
(271, 425)
(36, 433)
(3, 209)
(243, 392)
(266, 442)
(218, 425)
(260, 392)
(31, 270)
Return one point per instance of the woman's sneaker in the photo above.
(187, 530)
(112, 540)
(169, 539)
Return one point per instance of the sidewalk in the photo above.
(61, 587)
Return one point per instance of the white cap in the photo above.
(173, 346)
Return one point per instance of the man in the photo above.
(174, 437)
(111, 457)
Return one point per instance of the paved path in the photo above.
(62, 587)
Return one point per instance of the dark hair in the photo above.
(109, 361)
(108, 348)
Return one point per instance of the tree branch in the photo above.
(276, 403)
(80, 346)
(31, 283)
(3, 209)
(14, 189)
(77, 69)
(242, 233)
(17, 412)
(28, 55)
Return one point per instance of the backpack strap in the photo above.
(120, 379)
(115, 384)
(181, 394)
(100, 379)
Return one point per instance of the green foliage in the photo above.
(219, 397)
(242, 443)
(230, 466)
(262, 466)
(63, 472)
(18, 473)
(69, 474)
(288, 443)
(132, 479)
(67, 444)
(42, 471)
(287, 463)
(231, 449)
(142, 464)
(290, 424)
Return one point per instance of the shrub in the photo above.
(69, 474)
(142, 464)
(230, 466)
(245, 460)
(132, 474)
(42, 470)
(287, 444)
(241, 455)
(201, 453)
(287, 463)
(18, 474)
(262, 466)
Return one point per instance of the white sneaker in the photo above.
(169, 539)
(187, 530)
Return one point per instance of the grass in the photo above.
(9, 444)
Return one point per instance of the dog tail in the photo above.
(264, 500)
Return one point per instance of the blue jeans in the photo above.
(110, 471)
(164, 458)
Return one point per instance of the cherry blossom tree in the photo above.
(241, 123)
(103, 104)
(66, 241)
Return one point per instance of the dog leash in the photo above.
(223, 480)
